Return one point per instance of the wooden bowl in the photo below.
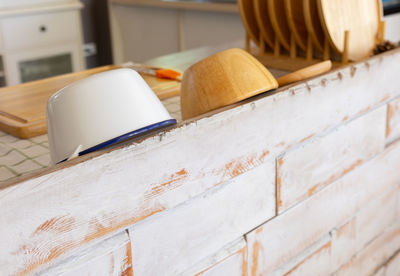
(222, 79)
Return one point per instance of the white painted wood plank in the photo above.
(393, 120)
(313, 165)
(277, 241)
(178, 238)
(76, 204)
(232, 266)
(343, 244)
(111, 257)
(301, 263)
(392, 267)
(318, 263)
(380, 272)
(375, 255)
(230, 260)
(375, 217)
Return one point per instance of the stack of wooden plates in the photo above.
(350, 27)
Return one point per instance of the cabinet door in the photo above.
(202, 29)
(143, 32)
(47, 62)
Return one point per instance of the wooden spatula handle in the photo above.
(305, 73)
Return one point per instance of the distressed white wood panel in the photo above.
(376, 254)
(313, 165)
(76, 203)
(398, 204)
(230, 260)
(178, 238)
(277, 241)
(393, 120)
(381, 272)
(318, 263)
(300, 263)
(343, 244)
(393, 265)
(374, 218)
(111, 257)
(232, 266)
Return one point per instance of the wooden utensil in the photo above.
(23, 107)
(229, 77)
(296, 21)
(313, 24)
(264, 22)
(361, 18)
(246, 9)
(276, 9)
(305, 73)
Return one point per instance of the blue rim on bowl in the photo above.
(126, 136)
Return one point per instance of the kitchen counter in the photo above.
(283, 183)
(23, 156)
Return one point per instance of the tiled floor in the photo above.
(22, 156)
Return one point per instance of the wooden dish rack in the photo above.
(294, 59)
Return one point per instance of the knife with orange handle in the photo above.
(161, 73)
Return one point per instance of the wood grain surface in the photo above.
(264, 22)
(277, 14)
(313, 24)
(305, 73)
(23, 107)
(360, 17)
(247, 13)
(296, 21)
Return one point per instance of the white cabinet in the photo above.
(143, 30)
(41, 63)
(40, 30)
(202, 29)
(41, 41)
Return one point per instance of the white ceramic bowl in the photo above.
(100, 110)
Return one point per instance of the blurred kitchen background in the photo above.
(43, 38)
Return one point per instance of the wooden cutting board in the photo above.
(360, 17)
(23, 107)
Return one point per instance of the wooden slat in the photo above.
(332, 206)
(205, 224)
(112, 256)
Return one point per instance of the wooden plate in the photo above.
(276, 9)
(246, 8)
(360, 17)
(264, 23)
(297, 22)
(313, 24)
